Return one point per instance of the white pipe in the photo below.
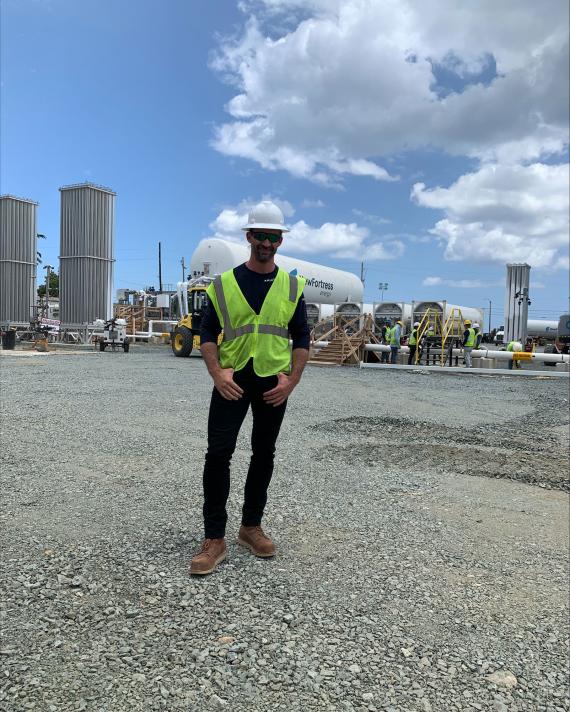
(488, 353)
(159, 321)
(150, 333)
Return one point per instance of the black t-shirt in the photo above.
(254, 287)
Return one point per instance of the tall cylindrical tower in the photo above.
(18, 258)
(87, 247)
(516, 302)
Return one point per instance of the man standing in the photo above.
(385, 355)
(478, 335)
(413, 343)
(469, 338)
(257, 305)
(395, 338)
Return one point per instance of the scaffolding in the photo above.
(346, 339)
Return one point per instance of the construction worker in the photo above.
(469, 339)
(478, 335)
(395, 339)
(513, 346)
(413, 343)
(385, 356)
(258, 306)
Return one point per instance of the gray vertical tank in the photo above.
(18, 252)
(87, 246)
(516, 302)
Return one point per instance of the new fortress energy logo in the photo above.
(312, 282)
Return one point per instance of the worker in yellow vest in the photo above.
(469, 340)
(395, 340)
(413, 343)
(258, 306)
(513, 346)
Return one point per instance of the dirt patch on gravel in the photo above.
(487, 451)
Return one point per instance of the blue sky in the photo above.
(412, 149)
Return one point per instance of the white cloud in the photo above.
(312, 204)
(339, 84)
(503, 214)
(337, 240)
(370, 218)
(459, 283)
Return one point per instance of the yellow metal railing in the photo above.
(453, 328)
(430, 325)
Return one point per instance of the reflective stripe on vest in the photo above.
(471, 338)
(230, 333)
(271, 354)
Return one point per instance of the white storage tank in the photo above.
(388, 312)
(324, 285)
(443, 309)
(313, 313)
(542, 328)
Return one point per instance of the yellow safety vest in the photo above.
(413, 340)
(264, 337)
(471, 338)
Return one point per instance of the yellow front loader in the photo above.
(189, 304)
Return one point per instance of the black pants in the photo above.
(224, 423)
(412, 356)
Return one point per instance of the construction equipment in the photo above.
(114, 334)
(189, 304)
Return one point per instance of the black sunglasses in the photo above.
(262, 236)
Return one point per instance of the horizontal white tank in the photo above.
(542, 328)
(385, 312)
(324, 285)
(419, 308)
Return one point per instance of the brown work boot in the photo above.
(255, 539)
(213, 551)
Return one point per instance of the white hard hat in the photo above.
(476, 326)
(416, 323)
(266, 216)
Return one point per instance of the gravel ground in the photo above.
(422, 525)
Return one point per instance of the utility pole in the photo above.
(159, 269)
(362, 273)
(490, 305)
(383, 286)
(183, 269)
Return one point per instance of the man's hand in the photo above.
(278, 395)
(225, 384)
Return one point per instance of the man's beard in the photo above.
(264, 254)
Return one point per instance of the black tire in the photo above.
(102, 346)
(182, 341)
(126, 346)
